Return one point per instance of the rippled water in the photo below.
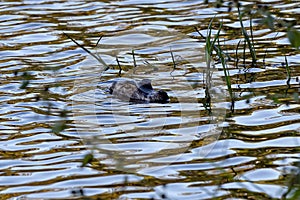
(56, 108)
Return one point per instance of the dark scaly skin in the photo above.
(138, 92)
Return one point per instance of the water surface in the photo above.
(175, 150)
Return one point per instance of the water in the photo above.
(174, 150)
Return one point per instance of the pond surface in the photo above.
(56, 108)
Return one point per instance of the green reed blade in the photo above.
(251, 31)
(226, 72)
(120, 68)
(99, 40)
(173, 59)
(246, 36)
(288, 71)
(210, 46)
(236, 55)
(217, 38)
(133, 56)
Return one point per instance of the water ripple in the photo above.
(174, 149)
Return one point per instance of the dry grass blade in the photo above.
(99, 59)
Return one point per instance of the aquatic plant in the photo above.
(133, 56)
(227, 77)
(246, 36)
(288, 71)
(266, 18)
(210, 46)
(293, 191)
(173, 59)
(293, 35)
(26, 80)
(88, 158)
